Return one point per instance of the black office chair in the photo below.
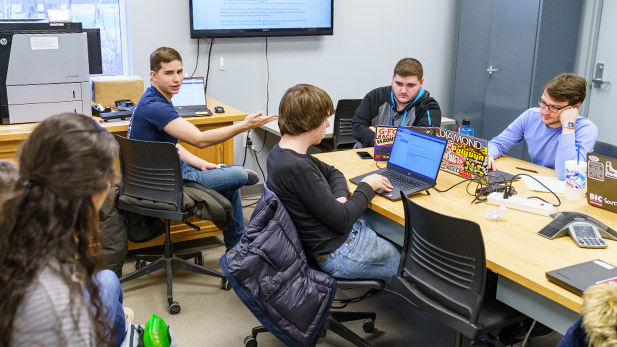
(341, 137)
(152, 186)
(443, 272)
(604, 148)
(335, 318)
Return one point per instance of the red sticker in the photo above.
(609, 281)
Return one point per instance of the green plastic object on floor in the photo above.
(156, 333)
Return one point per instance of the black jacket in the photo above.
(376, 108)
(270, 274)
(117, 227)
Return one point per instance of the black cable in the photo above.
(267, 81)
(246, 146)
(258, 165)
(264, 143)
(542, 184)
(344, 302)
(208, 71)
(256, 198)
(463, 181)
(197, 60)
(485, 187)
(482, 187)
(251, 204)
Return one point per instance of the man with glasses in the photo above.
(554, 131)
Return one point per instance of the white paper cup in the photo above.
(576, 179)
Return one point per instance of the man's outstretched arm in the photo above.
(181, 129)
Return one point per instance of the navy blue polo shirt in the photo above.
(152, 113)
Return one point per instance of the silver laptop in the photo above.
(413, 165)
(191, 100)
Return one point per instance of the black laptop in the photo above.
(413, 165)
(577, 278)
(191, 100)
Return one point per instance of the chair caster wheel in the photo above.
(250, 341)
(174, 308)
(368, 325)
(225, 285)
(139, 264)
(199, 260)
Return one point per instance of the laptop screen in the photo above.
(417, 152)
(192, 93)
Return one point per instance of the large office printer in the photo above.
(43, 71)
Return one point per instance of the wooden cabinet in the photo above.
(11, 136)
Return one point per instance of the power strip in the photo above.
(519, 203)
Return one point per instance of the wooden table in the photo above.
(11, 136)
(514, 250)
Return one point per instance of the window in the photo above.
(106, 15)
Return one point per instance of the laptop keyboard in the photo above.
(192, 110)
(401, 182)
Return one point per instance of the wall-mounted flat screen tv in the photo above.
(246, 18)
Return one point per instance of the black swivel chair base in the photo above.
(169, 261)
(333, 323)
(336, 318)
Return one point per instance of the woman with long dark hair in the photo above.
(51, 292)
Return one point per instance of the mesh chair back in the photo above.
(345, 110)
(151, 170)
(445, 260)
(604, 148)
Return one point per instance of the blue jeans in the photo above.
(363, 255)
(358, 145)
(227, 181)
(111, 295)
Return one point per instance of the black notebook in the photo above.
(577, 278)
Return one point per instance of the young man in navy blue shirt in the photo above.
(155, 119)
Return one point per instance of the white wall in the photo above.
(369, 38)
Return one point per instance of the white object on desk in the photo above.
(520, 203)
(552, 182)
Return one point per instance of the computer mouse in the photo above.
(219, 109)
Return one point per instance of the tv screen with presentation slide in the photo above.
(246, 18)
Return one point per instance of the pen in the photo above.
(529, 170)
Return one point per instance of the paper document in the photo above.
(553, 183)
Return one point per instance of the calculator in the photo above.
(586, 235)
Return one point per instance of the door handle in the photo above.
(597, 81)
(491, 69)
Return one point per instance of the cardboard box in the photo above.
(107, 89)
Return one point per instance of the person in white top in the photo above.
(52, 292)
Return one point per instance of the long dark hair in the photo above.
(51, 217)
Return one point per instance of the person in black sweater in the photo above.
(317, 197)
(404, 103)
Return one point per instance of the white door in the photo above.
(603, 96)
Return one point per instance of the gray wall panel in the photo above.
(474, 30)
(528, 41)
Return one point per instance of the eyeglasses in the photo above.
(551, 108)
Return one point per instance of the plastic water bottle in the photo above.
(466, 129)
